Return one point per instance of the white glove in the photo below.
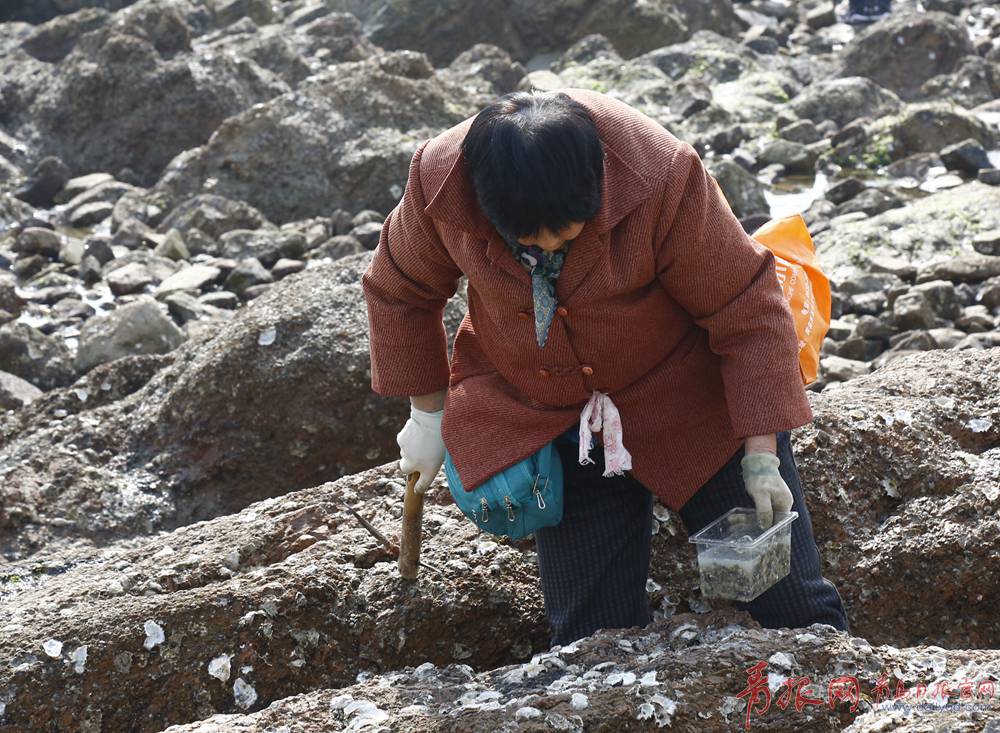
(763, 482)
(421, 447)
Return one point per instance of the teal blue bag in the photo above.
(516, 501)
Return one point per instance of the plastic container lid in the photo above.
(738, 522)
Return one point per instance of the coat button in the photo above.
(543, 372)
(587, 369)
(561, 310)
(523, 315)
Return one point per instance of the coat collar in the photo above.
(622, 189)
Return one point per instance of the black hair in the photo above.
(535, 160)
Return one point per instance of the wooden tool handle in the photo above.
(409, 538)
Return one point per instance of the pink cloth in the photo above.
(600, 414)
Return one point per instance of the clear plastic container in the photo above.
(739, 560)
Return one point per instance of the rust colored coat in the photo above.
(668, 306)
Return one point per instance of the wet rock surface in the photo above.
(160, 457)
(290, 594)
(682, 674)
(185, 408)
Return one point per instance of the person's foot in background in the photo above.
(866, 11)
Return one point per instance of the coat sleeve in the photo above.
(406, 287)
(726, 280)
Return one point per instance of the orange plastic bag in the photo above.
(803, 284)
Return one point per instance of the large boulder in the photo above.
(140, 327)
(289, 595)
(844, 100)
(42, 360)
(275, 399)
(443, 30)
(945, 222)
(101, 107)
(39, 11)
(711, 673)
(342, 139)
(907, 49)
(902, 473)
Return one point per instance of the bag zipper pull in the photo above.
(510, 508)
(486, 509)
(537, 492)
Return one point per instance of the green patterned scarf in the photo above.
(544, 268)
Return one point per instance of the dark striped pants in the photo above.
(595, 562)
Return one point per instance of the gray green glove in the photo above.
(763, 482)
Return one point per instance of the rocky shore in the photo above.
(190, 191)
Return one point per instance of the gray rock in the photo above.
(486, 70)
(989, 294)
(89, 214)
(872, 327)
(871, 201)
(975, 319)
(942, 297)
(195, 277)
(839, 329)
(16, 392)
(38, 241)
(42, 360)
(265, 245)
(108, 192)
(139, 327)
(742, 190)
(907, 49)
(931, 126)
(368, 234)
(913, 310)
(337, 247)
(867, 283)
(989, 176)
(227, 12)
(845, 189)
(794, 157)
(909, 341)
(444, 31)
(179, 435)
(71, 251)
(967, 156)
(213, 215)
(802, 131)
(247, 273)
(132, 277)
(979, 341)
(220, 299)
(285, 267)
(81, 184)
(974, 82)
(821, 17)
(861, 349)
(301, 155)
(40, 11)
(102, 106)
(46, 180)
(942, 223)
(946, 338)
(172, 246)
(914, 166)
(366, 216)
(966, 268)
(52, 41)
(844, 100)
(839, 369)
(893, 266)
